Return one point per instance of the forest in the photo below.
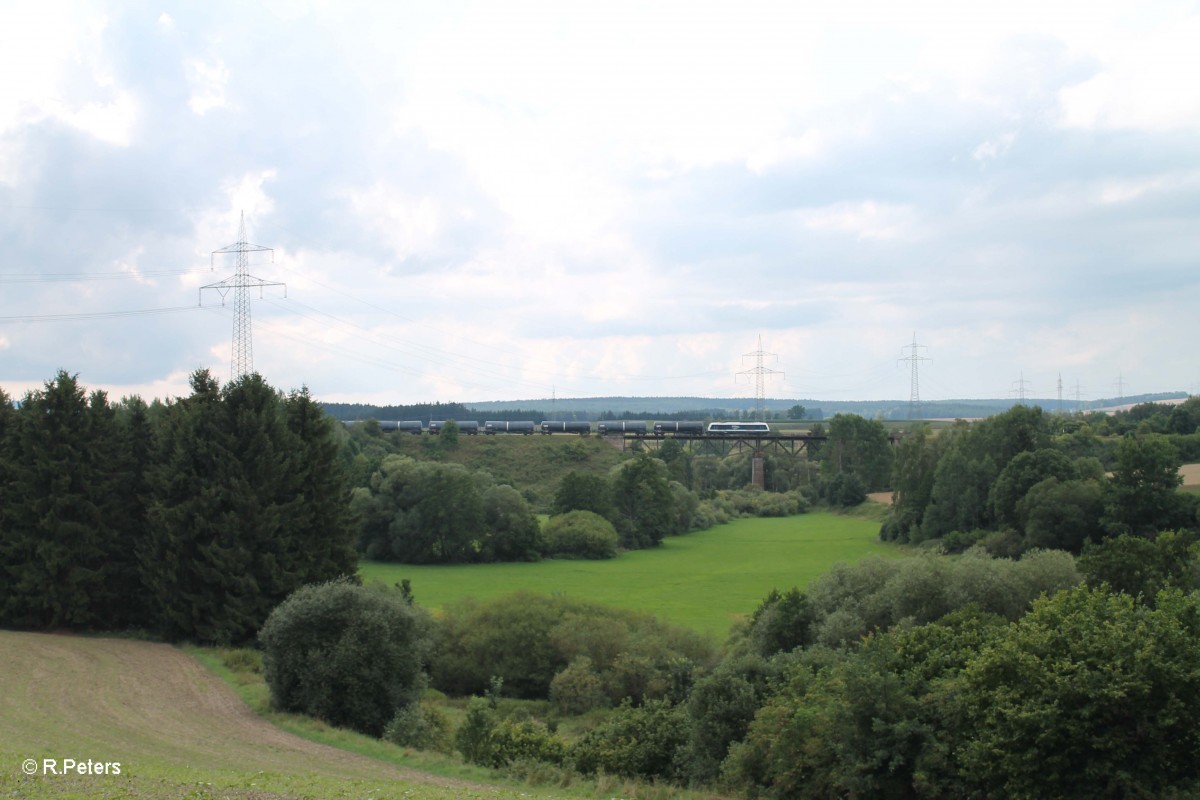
(1041, 639)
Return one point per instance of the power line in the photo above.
(96, 315)
(84, 277)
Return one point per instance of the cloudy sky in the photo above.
(507, 200)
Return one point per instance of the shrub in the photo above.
(527, 639)
(474, 737)
(421, 727)
(489, 741)
(345, 654)
(578, 689)
(580, 534)
(636, 742)
(846, 489)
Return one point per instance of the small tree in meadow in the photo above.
(345, 654)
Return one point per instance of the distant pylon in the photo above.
(914, 392)
(759, 372)
(242, 362)
(1021, 387)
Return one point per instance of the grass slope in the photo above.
(176, 730)
(533, 464)
(705, 580)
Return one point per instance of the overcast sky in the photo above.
(501, 200)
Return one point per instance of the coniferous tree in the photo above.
(191, 564)
(8, 417)
(119, 439)
(248, 505)
(55, 527)
(321, 525)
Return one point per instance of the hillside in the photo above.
(703, 407)
(174, 728)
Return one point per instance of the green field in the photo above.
(705, 580)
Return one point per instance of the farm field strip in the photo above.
(704, 580)
(175, 729)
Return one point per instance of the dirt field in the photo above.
(1191, 474)
(174, 729)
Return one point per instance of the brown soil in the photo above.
(1191, 474)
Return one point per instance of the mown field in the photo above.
(176, 730)
(705, 580)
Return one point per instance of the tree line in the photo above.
(1024, 479)
(191, 519)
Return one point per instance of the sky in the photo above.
(522, 200)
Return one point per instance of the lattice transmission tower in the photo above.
(242, 361)
(1021, 388)
(760, 373)
(914, 358)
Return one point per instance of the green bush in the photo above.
(345, 654)
(527, 639)
(421, 727)
(579, 534)
(754, 502)
(578, 688)
(489, 741)
(636, 742)
(845, 490)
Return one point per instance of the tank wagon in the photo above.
(492, 427)
(636, 427)
(466, 427)
(582, 427)
(684, 426)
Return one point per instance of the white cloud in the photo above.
(1149, 83)
(866, 219)
(208, 83)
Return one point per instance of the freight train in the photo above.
(636, 428)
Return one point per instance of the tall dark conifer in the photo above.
(8, 416)
(248, 506)
(53, 550)
(126, 440)
(193, 569)
(321, 525)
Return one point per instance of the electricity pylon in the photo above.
(914, 392)
(759, 372)
(242, 362)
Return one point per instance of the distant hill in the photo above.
(591, 408)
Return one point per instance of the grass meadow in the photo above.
(706, 580)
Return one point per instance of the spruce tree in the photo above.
(248, 505)
(191, 563)
(53, 550)
(321, 525)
